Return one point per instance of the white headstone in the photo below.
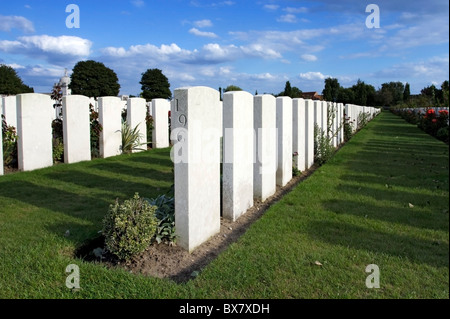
(9, 110)
(34, 129)
(110, 117)
(238, 154)
(299, 134)
(318, 114)
(284, 146)
(160, 111)
(76, 128)
(265, 167)
(136, 115)
(309, 133)
(196, 153)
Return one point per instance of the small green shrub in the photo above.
(323, 146)
(129, 227)
(150, 126)
(9, 140)
(165, 213)
(96, 129)
(295, 170)
(131, 139)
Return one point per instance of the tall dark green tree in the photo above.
(331, 90)
(287, 89)
(407, 93)
(94, 79)
(445, 93)
(11, 83)
(155, 85)
(232, 88)
(391, 93)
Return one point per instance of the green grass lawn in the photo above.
(352, 212)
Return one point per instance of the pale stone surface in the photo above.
(309, 133)
(341, 123)
(196, 133)
(325, 117)
(318, 114)
(299, 134)
(34, 128)
(265, 167)
(9, 110)
(110, 117)
(238, 154)
(160, 111)
(284, 146)
(335, 124)
(136, 114)
(76, 129)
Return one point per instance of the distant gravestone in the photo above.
(309, 133)
(196, 134)
(299, 134)
(110, 117)
(136, 115)
(265, 167)
(160, 111)
(34, 129)
(238, 154)
(284, 143)
(9, 110)
(76, 128)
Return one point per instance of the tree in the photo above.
(445, 93)
(406, 93)
(11, 83)
(287, 89)
(331, 90)
(232, 88)
(155, 85)
(391, 93)
(94, 79)
(346, 96)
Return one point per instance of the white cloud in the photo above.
(288, 18)
(296, 10)
(138, 3)
(199, 33)
(313, 76)
(271, 7)
(309, 57)
(203, 23)
(7, 23)
(16, 66)
(57, 50)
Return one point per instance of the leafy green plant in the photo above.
(96, 129)
(150, 126)
(165, 213)
(58, 141)
(348, 131)
(9, 140)
(128, 228)
(323, 146)
(295, 170)
(363, 119)
(131, 139)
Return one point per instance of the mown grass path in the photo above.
(383, 199)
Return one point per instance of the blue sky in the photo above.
(257, 45)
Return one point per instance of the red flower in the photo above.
(434, 121)
(431, 111)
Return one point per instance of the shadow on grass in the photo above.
(119, 167)
(115, 184)
(416, 217)
(416, 250)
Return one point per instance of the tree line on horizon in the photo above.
(94, 79)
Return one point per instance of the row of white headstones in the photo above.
(255, 139)
(260, 136)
